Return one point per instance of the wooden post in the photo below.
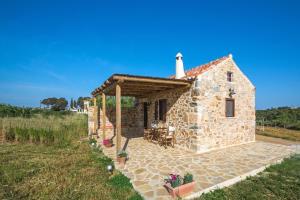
(118, 117)
(95, 115)
(103, 115)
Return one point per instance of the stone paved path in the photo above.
(150, 163)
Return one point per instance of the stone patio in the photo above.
(150, 163)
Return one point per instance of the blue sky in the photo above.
(67, 48)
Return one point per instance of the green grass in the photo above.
(281, 181)
(31, 171)
(44, 158)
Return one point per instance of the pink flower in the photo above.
(173, 177)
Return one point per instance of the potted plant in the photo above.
(122, 156)
(178, 186)
(107, 143)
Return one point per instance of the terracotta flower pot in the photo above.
(121, 160)
(108, 145)
(181, 190)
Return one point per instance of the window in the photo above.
(229, 110)
(162, 109)
(229, 76)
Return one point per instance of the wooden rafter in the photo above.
(139, 86)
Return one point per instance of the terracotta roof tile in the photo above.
(202, 68)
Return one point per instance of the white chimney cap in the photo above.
(179, 55)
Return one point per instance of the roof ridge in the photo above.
(209, 63)
(195, 71)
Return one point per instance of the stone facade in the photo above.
(198, 112)
(214, 129)
(131, 123)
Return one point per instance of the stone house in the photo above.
(211, 106)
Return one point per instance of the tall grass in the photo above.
(59, 130)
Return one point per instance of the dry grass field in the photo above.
(283, 133)
(46, 158)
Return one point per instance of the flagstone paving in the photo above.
(150, 163)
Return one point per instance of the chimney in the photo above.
(179, 66)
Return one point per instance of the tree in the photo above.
(55, 103)
(71, 103)
(75, 104)
(80, 101)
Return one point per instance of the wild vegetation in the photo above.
(283, 133)
(48, 157)
(111, 101)
(284, 117)
(281, 181)
(46, 172)
(26, 112)
(59, 130)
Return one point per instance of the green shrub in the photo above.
(122, 154)
(22, 134)
(10, 135)
(92, 140)
(188, 178)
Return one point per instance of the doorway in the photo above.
(145, 115)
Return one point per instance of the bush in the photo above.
(284, 117)
(188, 178)
(10, 135)
(22, 134)
(92, 140)
(122, 154)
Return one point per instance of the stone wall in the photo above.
(214, 129)
(198, 112)
(131, 121)
(179, 109)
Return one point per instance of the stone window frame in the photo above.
(233, 107)
(229, 76)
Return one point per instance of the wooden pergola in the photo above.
(134, 86)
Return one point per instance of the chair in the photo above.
(165, 138)
(148, 134)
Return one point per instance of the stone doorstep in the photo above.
(233, 180)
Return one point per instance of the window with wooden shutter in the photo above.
(162, 109)
(229, 110)
(229, 76)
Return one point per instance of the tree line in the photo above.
(285, 117)
(58, 104)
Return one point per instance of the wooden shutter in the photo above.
(162, 109)
(229, 108)
(229, 76)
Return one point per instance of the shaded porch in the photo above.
(140, 87)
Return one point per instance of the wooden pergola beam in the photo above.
(118, 117)
(139, 84)
(103, 115)
(95, 115)
(129, 82)
(150, 80)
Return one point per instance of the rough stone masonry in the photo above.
(198, 112)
